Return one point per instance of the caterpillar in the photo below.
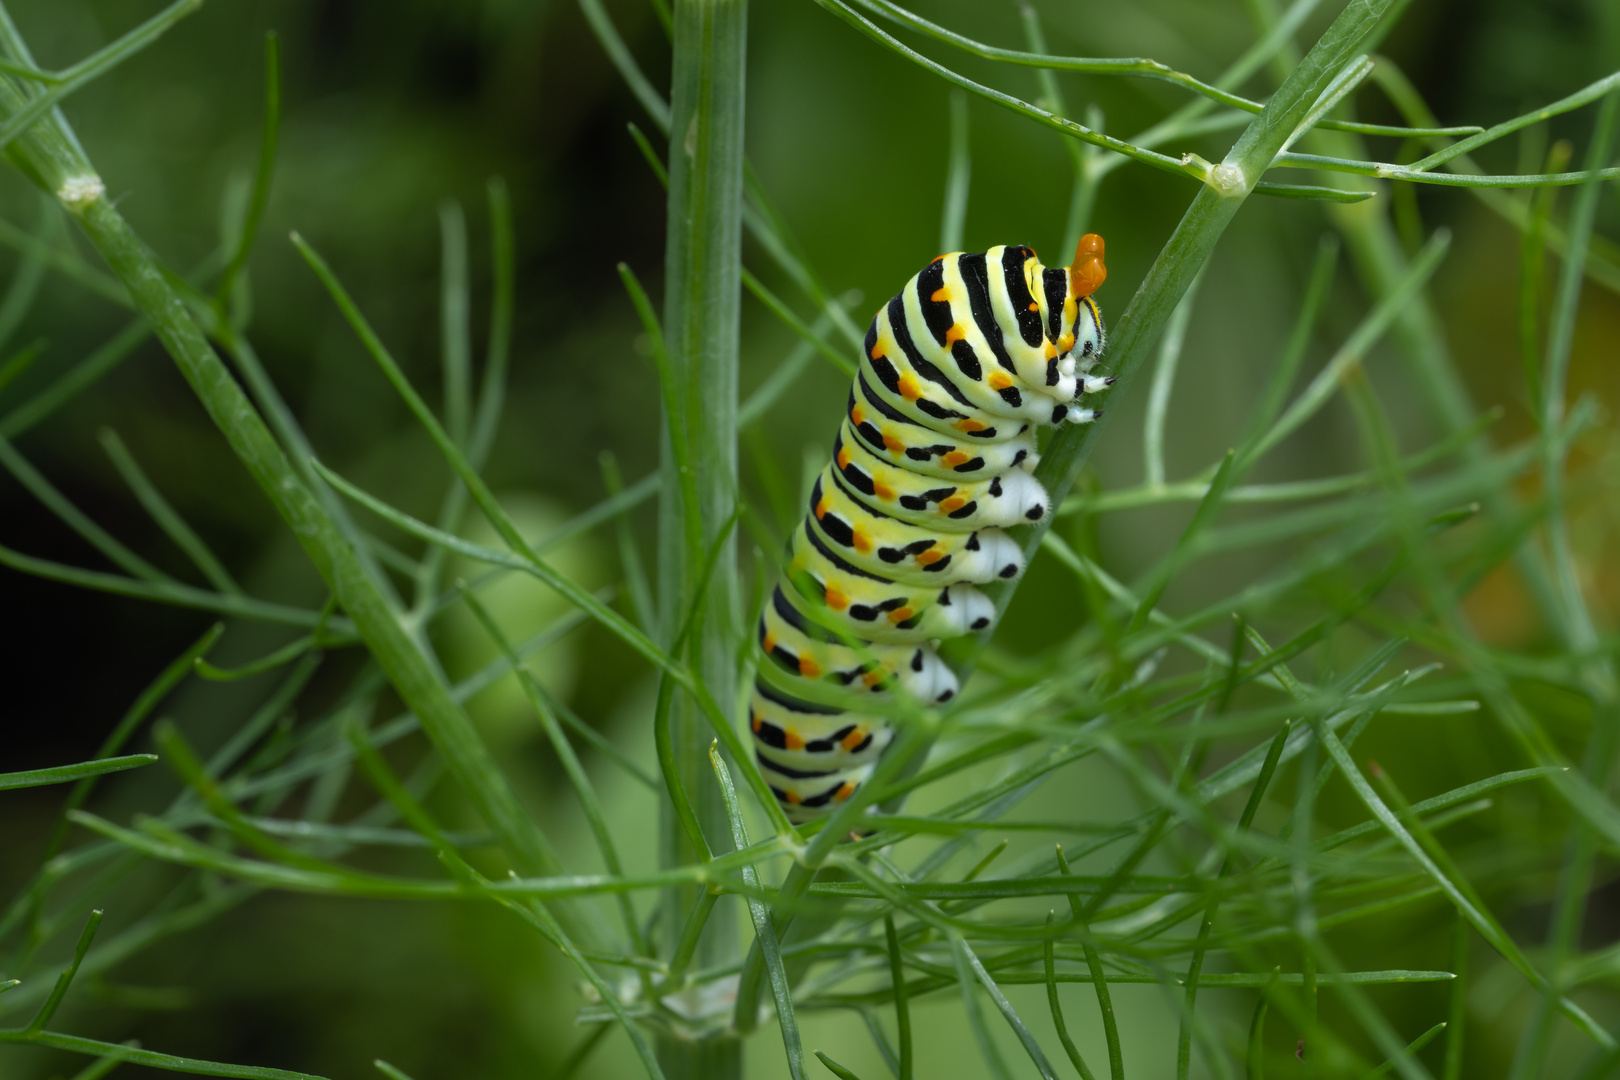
(933, 458)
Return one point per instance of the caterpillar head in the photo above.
(1087, 335)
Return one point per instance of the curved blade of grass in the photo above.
(1411, 1048)
(64, 261)
(544, 709)
(1007, 101)
(1584, 96)
(1356, 346)
(1312, 192)
(902, 1005)
(22, 290)
(1056, 1006)
(269, 662)
(835, 1068)
(455, 331)
(61, 774)
(151, 1058)
(1532, 264)
(958, 170)
(259, 198)
(1386, 171)
(165, 515)
(89, 69)
(74, 518)
(965, 978)
(1145, 68)
(1255, 1057)
(78, 377)
(1268, 769)
(65, 980)
(1099, 980)
(55, 157)
(1466, 904)
(608, 35)
(1164, 376)
(1458, 1012)
(764, 930)
(566, 587)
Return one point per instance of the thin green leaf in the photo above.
(151, 1058)
(958, 169)
(1411, 1049)
(1056, 1006)
(902, 1005)
(61, 774)
(764, 929)
(259, 198)
(835, 1068)
(65, 980)
(166, 517)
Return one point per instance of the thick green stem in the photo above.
(702, 298)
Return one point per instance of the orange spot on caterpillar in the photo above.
(863, 543)
(1051, 351)
(845, 792)
(928, 558)
(768, 641)
(909, 388)
(882, 490)
(871, 678)
(792, 739)
(952, 504)
(877, 351)
(792, 798)
(821, 507)
(843, 458)
(900, 615)
(999, 380)
(755, 722)
(857, 414)
(1087, 273)
(854, 738)
(969, 425)
(1065, 341)
(955, 458)
(941, 296)
(836, 598)
(809, 668)
(894, 445)
(956, 333)
(1033, 306)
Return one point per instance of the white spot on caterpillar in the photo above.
(78, 192)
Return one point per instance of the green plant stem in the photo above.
(703, 261)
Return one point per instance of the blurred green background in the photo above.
(392, 107)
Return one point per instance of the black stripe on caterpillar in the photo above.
(933, 458)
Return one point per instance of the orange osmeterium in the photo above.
(1088, 272)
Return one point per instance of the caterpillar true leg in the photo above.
(932, 459)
